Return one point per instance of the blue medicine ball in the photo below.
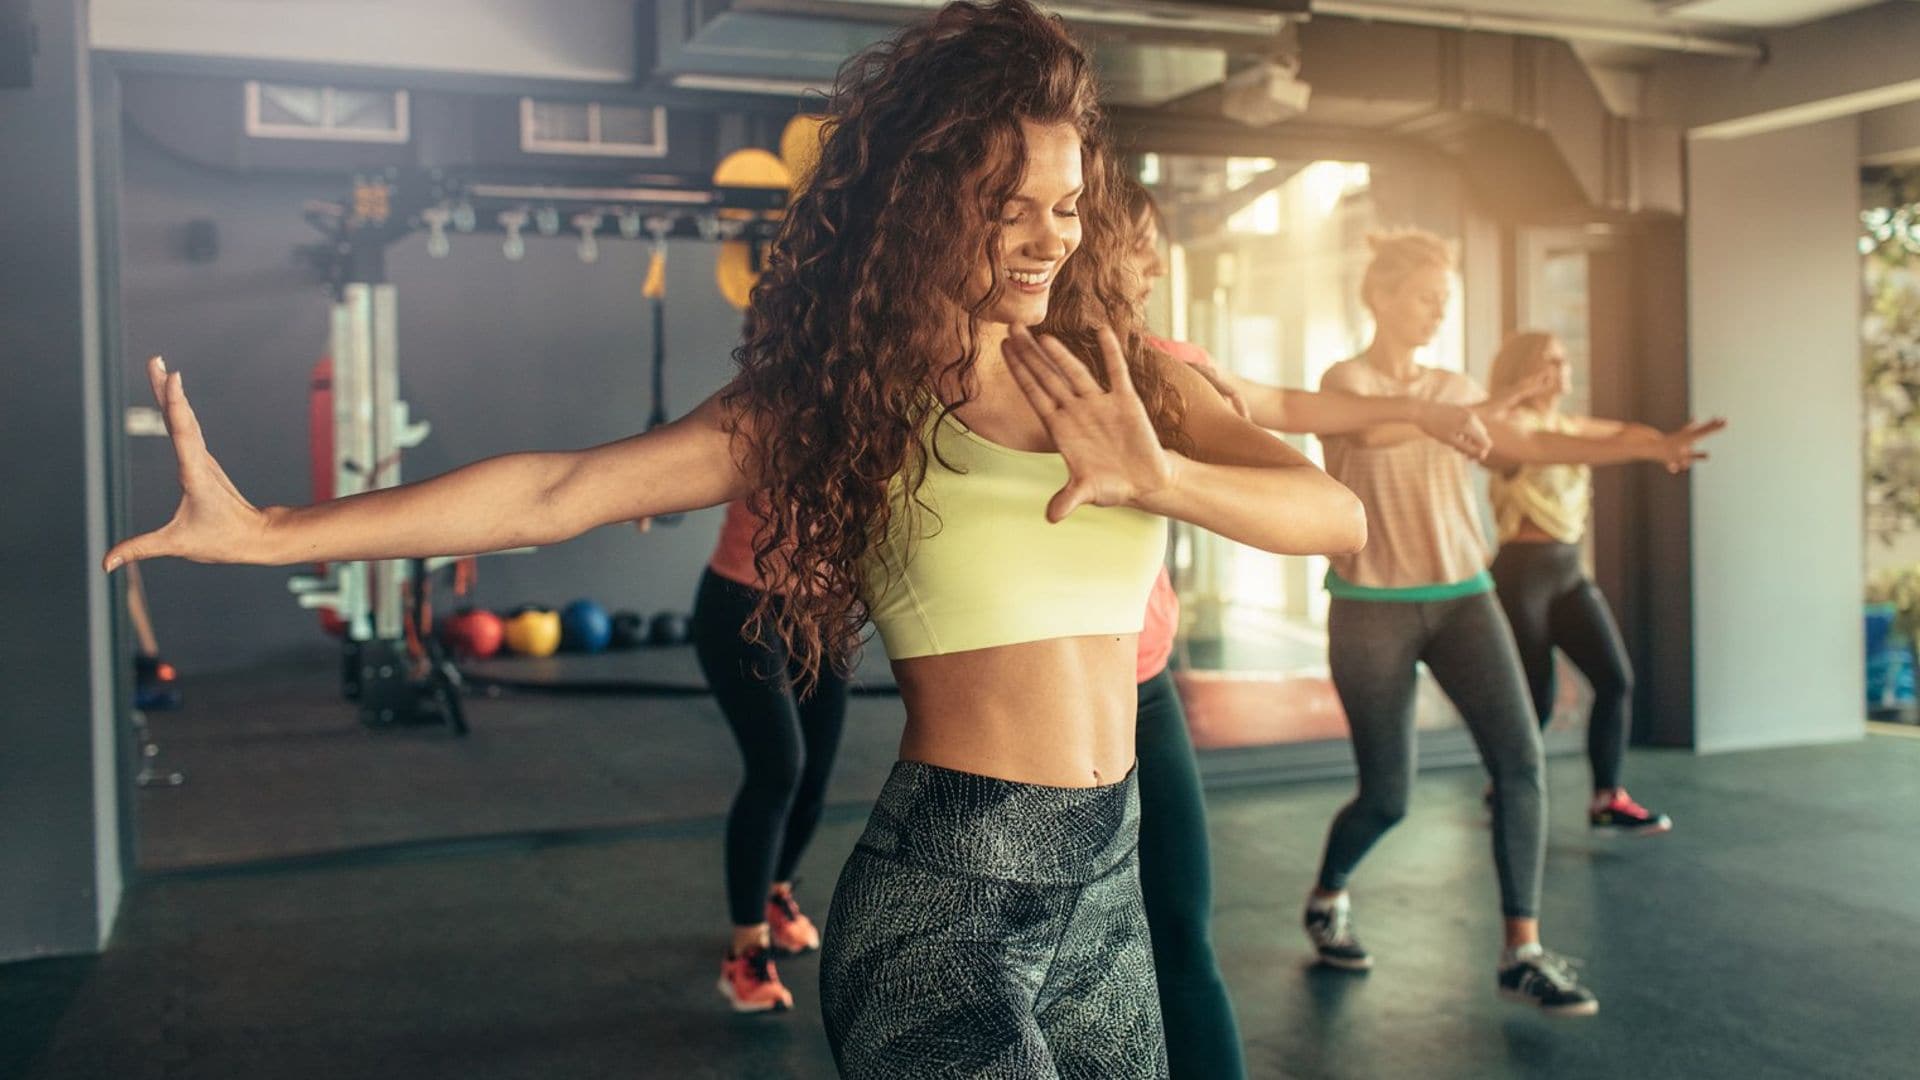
(585, 627)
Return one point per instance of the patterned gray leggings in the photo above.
(984, 928)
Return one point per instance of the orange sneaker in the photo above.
(792, 932)
(752, 985)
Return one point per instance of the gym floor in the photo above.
(1776, 933)
(277, 767)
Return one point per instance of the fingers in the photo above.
(157, 380)
(1050, 358)
(134, 549)
(1025, 357)
(189, 446)
(1067, 500)
(1021, 369)
(1119, 379)
(1700, 429)
(1474, 439)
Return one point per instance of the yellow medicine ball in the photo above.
(535, 632)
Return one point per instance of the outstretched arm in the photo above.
(1599, 443)
(1240, 481)
(1377, 420)
(511, 501)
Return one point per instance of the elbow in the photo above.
(1350, 526)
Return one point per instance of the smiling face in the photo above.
(1039, 226)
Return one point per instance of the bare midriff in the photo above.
(1530, 533)
(1057, 712)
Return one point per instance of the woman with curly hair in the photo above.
(958, 433)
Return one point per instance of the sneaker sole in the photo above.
(1584, 1008)
(1341, 963)
(739, 1006)
(1615, 830)
(779, 951)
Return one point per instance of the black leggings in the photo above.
(987, 928)
(1176, 884)
(787, 745)
(1551, 602)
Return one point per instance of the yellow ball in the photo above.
(534, 633)
(800, 146)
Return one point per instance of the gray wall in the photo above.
(546, 353)
(1773, 286)
(61, 857)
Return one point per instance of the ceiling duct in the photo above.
(1148, 52)
(1520, 115)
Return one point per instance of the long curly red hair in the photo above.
(851, 329)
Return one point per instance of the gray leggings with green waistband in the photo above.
(1373, 647)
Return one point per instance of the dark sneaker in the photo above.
(1548, 983)
(1330, 929)
(1629, 818)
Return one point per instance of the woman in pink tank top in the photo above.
(787, 744)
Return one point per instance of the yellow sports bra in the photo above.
(980, 566)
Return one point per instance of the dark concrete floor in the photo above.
(1776, 933)
(278, 766)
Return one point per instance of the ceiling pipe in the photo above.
(1233, 17)
(1537, 26)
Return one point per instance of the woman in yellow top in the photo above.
(989, 496)
(1540, 513)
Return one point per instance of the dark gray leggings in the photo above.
(1373, 647)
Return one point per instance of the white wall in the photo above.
(577, 40)
(1773, 288)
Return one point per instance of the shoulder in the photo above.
(1184, 351)
(1346, 375)
(1525, 419)
(1455, 388)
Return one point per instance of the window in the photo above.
(332, 113)
(591, 127)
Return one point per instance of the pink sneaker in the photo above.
(792, 932)
(752, 985)
(1629, 818)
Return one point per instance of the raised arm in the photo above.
(510, 501)
(1240, 481)
(1598, 442)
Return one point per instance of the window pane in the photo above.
(291, 106)
(628, 124)
(559, 121)
(365, 110)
